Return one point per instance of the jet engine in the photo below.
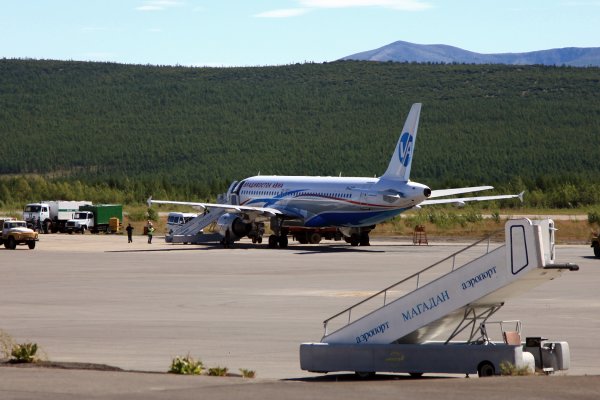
(236, 226)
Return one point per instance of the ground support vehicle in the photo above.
(96, 218)
(596, 244)
(51, 216)
(177, 219)
(441, 325)
(483, 356)
(16, 232)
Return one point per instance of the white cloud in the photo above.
(309, 5)
(405, 5)
(158, 5)
(283, 13)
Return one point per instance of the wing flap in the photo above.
(228, 207)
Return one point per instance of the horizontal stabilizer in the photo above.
(461, 200)
(452, 192)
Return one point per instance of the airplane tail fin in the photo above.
(399, 167)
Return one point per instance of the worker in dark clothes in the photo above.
(129, 230)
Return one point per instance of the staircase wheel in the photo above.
(486, 369)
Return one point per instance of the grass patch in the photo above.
(471, 224)
(186, 366)
(218, 371)
(247, 373)
(24, 353)
(509, 369)
(19, 352)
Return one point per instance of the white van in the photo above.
(176, 219)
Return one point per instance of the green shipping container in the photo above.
(104, 212)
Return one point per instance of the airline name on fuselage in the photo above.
(263, 185)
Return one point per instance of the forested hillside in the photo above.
(110, 132)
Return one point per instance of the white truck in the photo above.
(81, 221)
(95, 218)
(51, 216)
(177, 219)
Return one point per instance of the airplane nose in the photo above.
(427, 192)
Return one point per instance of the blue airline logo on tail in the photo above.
(405, 148)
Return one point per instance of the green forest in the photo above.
(119, 133)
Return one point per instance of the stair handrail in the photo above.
(194, 223)
(416, 274)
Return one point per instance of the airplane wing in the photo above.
(462, 200)
(266, 211)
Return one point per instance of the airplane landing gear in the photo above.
(364, 239)
(280, 236)
(359, 238)
(278, 241)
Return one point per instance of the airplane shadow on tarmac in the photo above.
(302, 250)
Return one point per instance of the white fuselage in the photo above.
(332, 201)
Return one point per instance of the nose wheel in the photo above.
(278, 241)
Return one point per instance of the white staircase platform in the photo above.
(435, 309)
(191, 232)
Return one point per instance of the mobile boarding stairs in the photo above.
(413, 326)
(193, 231)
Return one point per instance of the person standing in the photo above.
(129, 230)
(150, 233)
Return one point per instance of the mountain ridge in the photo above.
(401, 51)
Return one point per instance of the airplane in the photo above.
(350, 206)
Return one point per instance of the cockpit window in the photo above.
(237, 189)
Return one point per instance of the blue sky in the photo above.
(275, 32)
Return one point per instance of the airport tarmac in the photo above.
(97, 299)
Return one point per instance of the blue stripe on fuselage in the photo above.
(351, 219)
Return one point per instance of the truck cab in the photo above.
(37, 215)
(82, 221)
